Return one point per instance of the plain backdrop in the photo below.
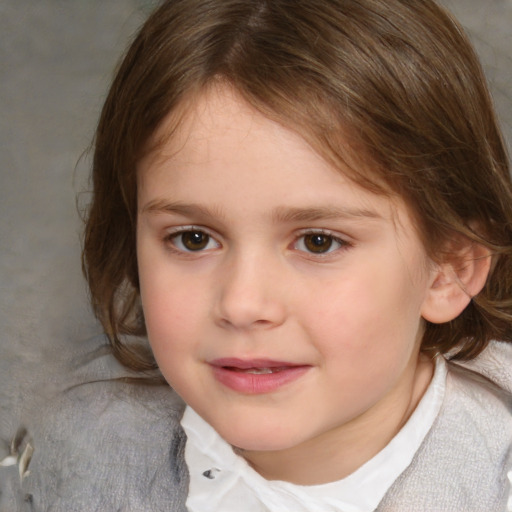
(56, 60)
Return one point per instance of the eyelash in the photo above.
(170, 241)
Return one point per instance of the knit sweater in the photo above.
(107, 445)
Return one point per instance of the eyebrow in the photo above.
(286, 214)
(282, 214)
(185, 209)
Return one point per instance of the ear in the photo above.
(456, 281)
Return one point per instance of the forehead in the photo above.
(217, 107)
(218, 115)
(216, 143)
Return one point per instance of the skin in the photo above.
(351, 315)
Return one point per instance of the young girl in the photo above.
(306, 208)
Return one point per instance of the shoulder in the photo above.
(463, 462)
(476, 421)
(494, 364)
(108, 445)
(478, 400)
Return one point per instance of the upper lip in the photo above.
(245, 364)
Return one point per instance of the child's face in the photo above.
(282, 301)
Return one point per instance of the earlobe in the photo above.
(456, 282)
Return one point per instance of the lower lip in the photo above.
(255, 384)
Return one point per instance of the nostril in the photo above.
(261, 324)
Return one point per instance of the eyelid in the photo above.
(176, 230)
(342, 237)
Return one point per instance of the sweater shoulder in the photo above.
(463, 462)
(108, 445)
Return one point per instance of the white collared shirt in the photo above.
(221, 480)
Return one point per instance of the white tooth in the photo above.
(259, 371)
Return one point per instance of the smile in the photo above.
(256, 376)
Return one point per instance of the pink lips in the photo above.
(255, 376)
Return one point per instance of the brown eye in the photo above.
(192, 241)
(318, 243)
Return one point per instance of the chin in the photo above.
(259, 440)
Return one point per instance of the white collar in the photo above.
(222, 480)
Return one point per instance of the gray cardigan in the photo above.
(111, 446)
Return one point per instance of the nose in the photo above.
(250, 295)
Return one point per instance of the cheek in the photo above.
(168, 310)
(172, 304)
(373, 314)
(367, 336)
(172, 322)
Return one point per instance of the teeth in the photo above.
(256, 371)
(259, 371)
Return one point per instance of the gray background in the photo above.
(56, 59)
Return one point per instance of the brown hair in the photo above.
(397, 79)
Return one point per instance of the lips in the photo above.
(256, 376)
